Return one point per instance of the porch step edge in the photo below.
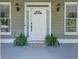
(41, 41)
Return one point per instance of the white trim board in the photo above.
(7, 40)
(60, 40)
(68, 40)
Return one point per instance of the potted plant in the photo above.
(55, 41)
(21, 40)
(51, 40)
(48, 41)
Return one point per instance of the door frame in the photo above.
(25, 13)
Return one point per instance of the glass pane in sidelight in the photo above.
(4, 11)
(71, 25)
(71, 11)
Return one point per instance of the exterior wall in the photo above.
(58, 20)
(57, 25)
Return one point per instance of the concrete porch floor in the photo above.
(38, 51)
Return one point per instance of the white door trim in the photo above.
(36, 3)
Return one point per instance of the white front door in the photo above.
(37, 23)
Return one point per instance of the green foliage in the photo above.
(4, 21)
(20, 40)
(48, 41)
(51, 40)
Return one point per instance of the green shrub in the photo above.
(51, 40)
(48, 41)
(20, 40)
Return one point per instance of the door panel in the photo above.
(37, 23)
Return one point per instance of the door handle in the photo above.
(31, 26)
